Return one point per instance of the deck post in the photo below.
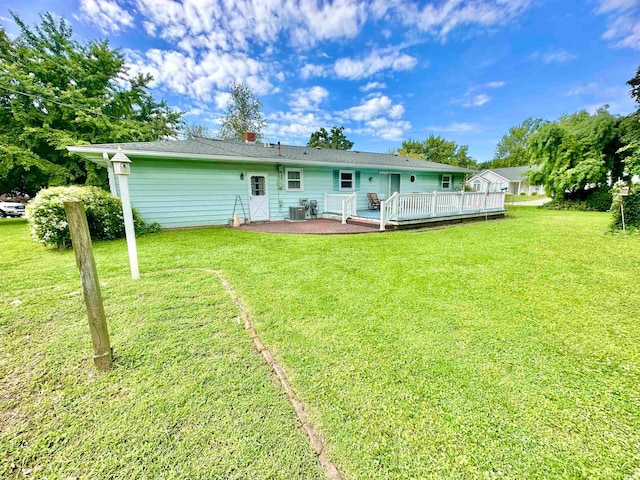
(382, 219)
(344, 210)
(433, 204)
(461, 205)
(486, 197)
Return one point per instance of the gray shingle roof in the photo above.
(232, 150)
(513, 174)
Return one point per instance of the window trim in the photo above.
(353, 181)
(286, 179)
(449, 181)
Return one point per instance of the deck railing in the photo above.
(344, 204)
(406, 206)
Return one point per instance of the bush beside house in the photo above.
(48, 220)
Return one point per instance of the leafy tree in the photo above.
(244, 114)
(191, 131)
(54, 92)
(438, 149)
(630, 128)
(577, 152)
(336, 139)
(634, 83)
(512, 151)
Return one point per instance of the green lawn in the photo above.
(506, 349)
(523, 198)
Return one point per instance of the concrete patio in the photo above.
(320, 226)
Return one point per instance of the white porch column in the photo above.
(122, 170)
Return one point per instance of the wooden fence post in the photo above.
(81, 241)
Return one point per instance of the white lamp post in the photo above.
(122, 169)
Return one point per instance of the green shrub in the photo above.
(48, 220)
(598, 200)
(631, 210)
(533, 194)
(523, 193)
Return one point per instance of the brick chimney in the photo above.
(250, 137)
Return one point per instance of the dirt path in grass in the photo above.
(316, 442)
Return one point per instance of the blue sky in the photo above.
(387, 70)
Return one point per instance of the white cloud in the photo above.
(617, 97)
(304, 22)
(477, 100)
(308, 99)
(588, 89)
(200, 76)
(454, 127)
(495, 84)
(606, 6)
(470, 101)
(442, 18)
(355, 69)
(385, 129)
(221, 100)
(311, 70)
(554, 56)
(623, 22)
(374, 107)
(292, 126)
(108, 15)
(373, 86)
(624, 31)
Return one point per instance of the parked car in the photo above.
(11, 209)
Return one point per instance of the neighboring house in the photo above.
(511, 180)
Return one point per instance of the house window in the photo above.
(347, 180)
(476, 185)
(294, 180)
(446, 182)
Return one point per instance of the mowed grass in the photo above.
(523, 198)
(187, 397)
(505, 349)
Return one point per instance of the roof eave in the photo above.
(91, 153)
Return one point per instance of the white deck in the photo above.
(411, 208)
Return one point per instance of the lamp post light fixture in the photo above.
(624, 192)
(122, 169)
(242, 176)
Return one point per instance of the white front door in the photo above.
(258, 196)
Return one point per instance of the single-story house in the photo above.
(183, 183)
(511, 180)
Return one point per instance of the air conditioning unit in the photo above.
(297, 214)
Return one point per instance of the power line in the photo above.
(74, 107)
(197, 138)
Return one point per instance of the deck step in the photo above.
(363, 221)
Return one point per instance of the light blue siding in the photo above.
(178, 193)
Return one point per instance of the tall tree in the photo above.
(630, 127)
(193, 131)
(54, 92)
(244, 114)
(438, 149)
(511, 150)
(577, 152)
(334, 139)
